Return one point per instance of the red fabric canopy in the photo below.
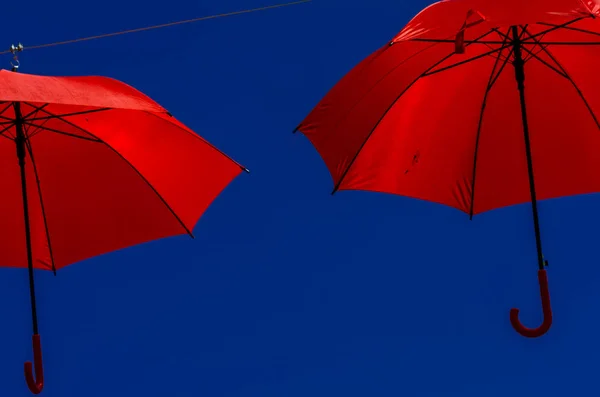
(417, 119)
(114, 169)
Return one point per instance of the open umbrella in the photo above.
(435, 114)
(90, 165)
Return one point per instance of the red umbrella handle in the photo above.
(35, 385)
(547, 310)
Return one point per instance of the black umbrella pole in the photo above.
(520, 77)
(20, 141)
(519, 65)
(35, 383)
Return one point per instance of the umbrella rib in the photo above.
(492, 80)
(581, 43)
(531, 53)
(59, 117)
(506, 37)
(467, 60)
(29, 127)
(2, 131)
(49, 117)
(35, 109)
(31, 132)
(547, 64)
(11, 122)
(570, 28)
(567, 26)
(568, 77)
(160, 197)
(205, 142)
(535, 56)
(8, 106)
(41, 127)
(382, 78)
(96, 139)
(452, 41)
(556, 27)
(436, 64)
(537, 42)
(39, 189)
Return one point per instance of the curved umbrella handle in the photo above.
(35, 385)
(547, 310)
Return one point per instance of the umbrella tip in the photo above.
(246, 170)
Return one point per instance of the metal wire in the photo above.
(164, 25)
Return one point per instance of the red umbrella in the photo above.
(94, 165)
(435, 114)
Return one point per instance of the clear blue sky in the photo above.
(288, 291)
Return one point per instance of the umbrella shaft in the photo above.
(520, 77)
(21, 150)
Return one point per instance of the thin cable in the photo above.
(164, 25)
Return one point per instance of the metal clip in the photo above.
(17, 48)
(14, 50)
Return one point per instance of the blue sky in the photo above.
(286, 290)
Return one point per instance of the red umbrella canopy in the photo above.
(90, 165)
(106, 167)
(434, 114)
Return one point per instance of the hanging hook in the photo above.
(14, 50)
(546, 309)
(35, 384)
(15, 66)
